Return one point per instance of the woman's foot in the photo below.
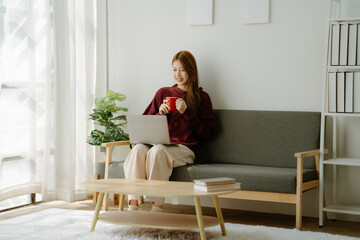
(133, 205)
(157, 207)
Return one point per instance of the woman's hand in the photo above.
(164, 108)
(180, 105)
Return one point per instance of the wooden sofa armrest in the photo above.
(310, 153)
(300, 185)
(114, 144)
(109, 146)
(300, 159)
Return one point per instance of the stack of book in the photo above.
(345, 40)
(344, 92)
(216, 184)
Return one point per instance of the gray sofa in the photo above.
(263, 150)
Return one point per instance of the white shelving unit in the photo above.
(335, 161)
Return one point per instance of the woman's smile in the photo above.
(179, 73)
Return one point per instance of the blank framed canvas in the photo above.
(200, 12)
(256, 11)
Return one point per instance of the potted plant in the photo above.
(105, 114)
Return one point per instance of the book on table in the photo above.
(214, 181)
(212, 188)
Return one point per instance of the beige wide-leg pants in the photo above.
(156, 163)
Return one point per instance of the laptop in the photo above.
(148, 129)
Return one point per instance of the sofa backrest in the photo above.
(262, 138)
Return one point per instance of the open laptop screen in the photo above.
(148, 129)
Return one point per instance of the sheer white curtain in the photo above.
(75, 73)
(26, 104)
(47, 85)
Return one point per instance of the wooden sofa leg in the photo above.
(324, 213)
(122, 200)
(299, 192)
(106, 202)
(95, 194)
(108, 159)
(299, 211)
(116, 199)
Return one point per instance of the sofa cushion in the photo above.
(100, 169)
(262, 138)
(255, 178)
(116, 170)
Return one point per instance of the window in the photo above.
(26, 102)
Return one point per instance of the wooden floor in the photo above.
(231, 216)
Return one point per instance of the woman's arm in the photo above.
(202, 123)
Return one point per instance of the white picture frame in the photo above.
(256, 11)
(200, 12)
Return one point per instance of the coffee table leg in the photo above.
(199, 217)
(97, 210)
(106, 202)
(219, 214)
(122, 199)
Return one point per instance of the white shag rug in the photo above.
(75, 224)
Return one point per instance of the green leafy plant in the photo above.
(104, 115)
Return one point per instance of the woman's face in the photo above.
(180, 75)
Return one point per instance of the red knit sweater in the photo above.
(187, 128)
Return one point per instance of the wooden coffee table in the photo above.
(149, 219)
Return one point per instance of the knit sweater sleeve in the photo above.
(202, 122)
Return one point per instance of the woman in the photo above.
(192, 120)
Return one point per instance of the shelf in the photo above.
(336, 52)
(345, 20)
(156, 219)
(342, 114)
(343, 161)
(343, 68)
(341, 208)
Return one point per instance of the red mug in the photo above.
(170, 101)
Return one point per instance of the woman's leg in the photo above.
(161, 160)
(134, 167)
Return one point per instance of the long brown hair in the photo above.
(193, 97)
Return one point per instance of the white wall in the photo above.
(275, 66)
(265, 66)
